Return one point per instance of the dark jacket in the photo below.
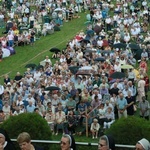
(38, 148)
(9, 146)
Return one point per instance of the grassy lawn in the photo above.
(36, 53)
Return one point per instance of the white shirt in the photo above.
(1, 16)
(37, 75)
(127, 38)
(117, 68)
(100, 43)
(1, 89)
(31, 100)
(29, 80)
(144, 3)
(95, 126)
(6, 110)
(108, 20)
(133, 32)
(62, 60)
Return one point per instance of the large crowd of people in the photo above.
(24, 22)
(94, 80)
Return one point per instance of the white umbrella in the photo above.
(42, 63)
(58, 9)
(86, 68)
(1, 89)
(6, 52)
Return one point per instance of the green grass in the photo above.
(36, 53)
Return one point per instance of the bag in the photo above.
(107, 120)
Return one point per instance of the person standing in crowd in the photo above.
(146, 79)
(1, 20)
(32, 34)
(60, 119)
(144, 108)
(131, 102)
(24, 141)
(141, 88)
(1, 91)
(1, 54)
(121, 106)
(142, 144)
(10, 38)
(131, 75)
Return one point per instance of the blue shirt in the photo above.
(30, 109)
(82, 107)
(121, 103)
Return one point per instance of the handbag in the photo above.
(107, 120)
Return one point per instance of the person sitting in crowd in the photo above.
(60, 120)
(50, 118)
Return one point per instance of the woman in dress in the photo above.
(130, 107)
(143, 65)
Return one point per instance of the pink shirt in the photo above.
(10, 37)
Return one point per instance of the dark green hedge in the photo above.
(130, 130)
(32, 123)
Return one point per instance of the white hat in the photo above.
(145, 144)
(95, 86)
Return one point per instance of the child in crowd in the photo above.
(95, 128)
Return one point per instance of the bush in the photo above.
(32, 123)
(130, 130)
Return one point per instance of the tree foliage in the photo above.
(32, 123)
(130, 130)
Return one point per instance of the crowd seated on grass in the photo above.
(94, 80)
(25, 22)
